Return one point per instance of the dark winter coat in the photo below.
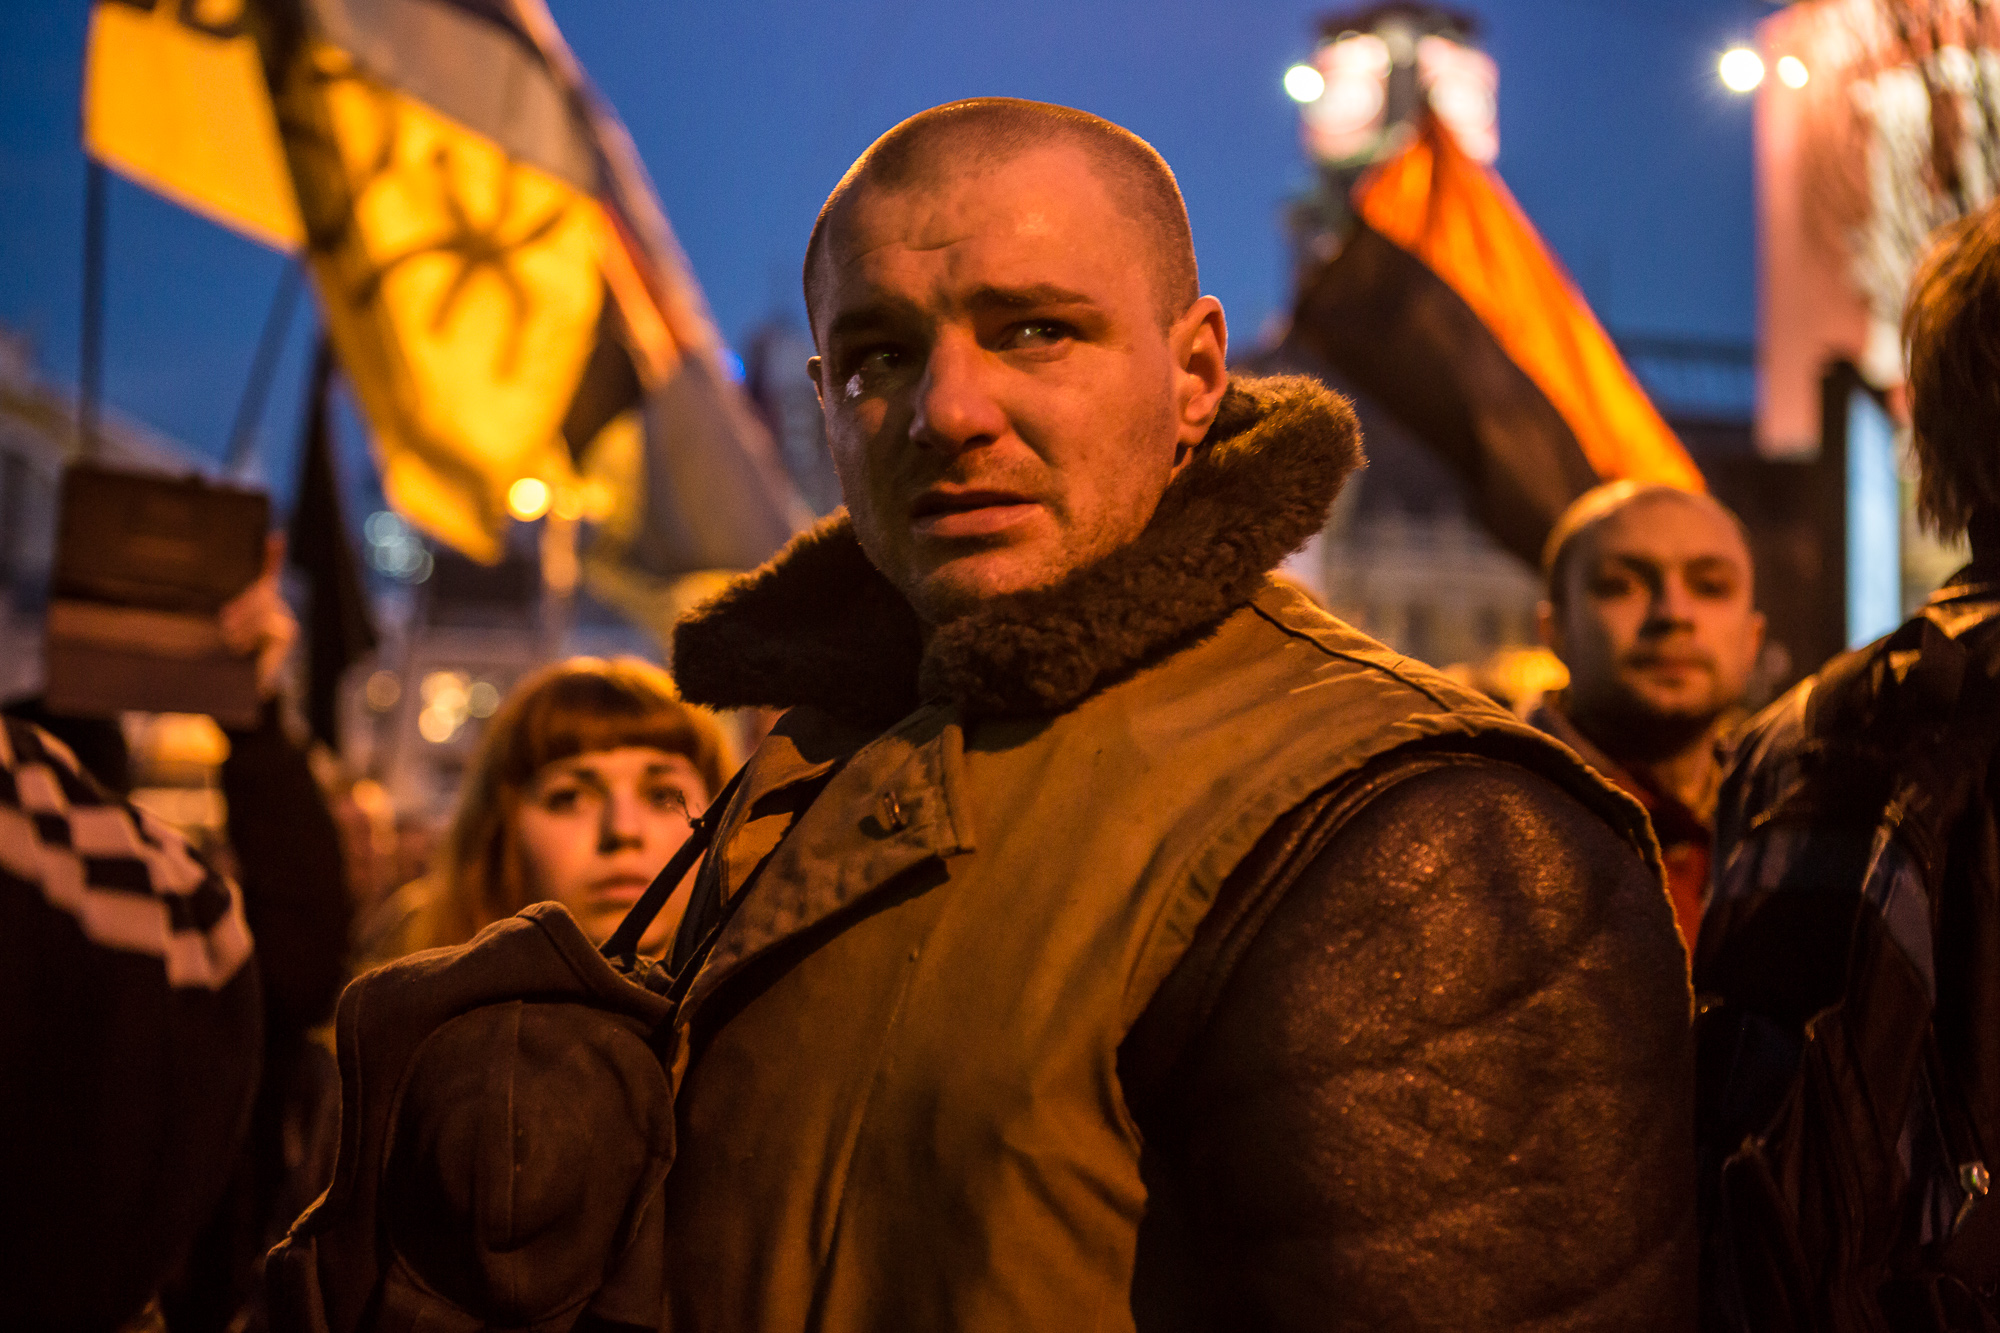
(1154, 951)
(130, 1026)
(1180, 958)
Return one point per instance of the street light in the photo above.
(1303, 83)
(1741, 69)
(528, 498)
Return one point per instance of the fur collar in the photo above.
(819, 625)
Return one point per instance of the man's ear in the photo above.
(1199, 341)
(812, 369)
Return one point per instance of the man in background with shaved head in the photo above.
(1106, 937)
(1650, 607)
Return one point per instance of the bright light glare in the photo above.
(446, 703)
(1304, 83)
(528, 499)
(1741, 68)
(1792, 72)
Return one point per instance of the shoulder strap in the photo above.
(623, 946)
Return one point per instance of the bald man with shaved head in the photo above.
(1105, 937)
(1650, 605)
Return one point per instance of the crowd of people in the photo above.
(1105, 936)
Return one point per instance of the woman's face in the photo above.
(594, 830)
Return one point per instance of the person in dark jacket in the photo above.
(281, 843)
(1849, 1103)
(1105, 937)
(130, 1030)
(281, 835)
(1650, 604)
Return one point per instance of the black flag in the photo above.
(339, 630)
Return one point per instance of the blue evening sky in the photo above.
(1615, 135)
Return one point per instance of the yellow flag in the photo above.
(492, 268)
(460, 285)
(174, 98)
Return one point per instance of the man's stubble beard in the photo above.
(940, 602)
(1628, 726)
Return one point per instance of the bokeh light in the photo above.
(395, 549)
(1303, 83)
(383, 690)
(1741, 69)
(528, 499)
(1792, 72)
(447, 703)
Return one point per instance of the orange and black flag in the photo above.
(502, 290)
(1445, 307)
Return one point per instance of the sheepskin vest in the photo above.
(899, 1101)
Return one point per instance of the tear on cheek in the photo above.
(853, 386)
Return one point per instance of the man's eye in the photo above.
(1036, 333)
(1611, 585)
(671, 799)
(872, 361)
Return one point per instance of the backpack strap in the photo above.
(622, 948)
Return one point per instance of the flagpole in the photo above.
(250, 406)
(90, 371)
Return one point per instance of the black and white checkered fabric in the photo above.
(131, 883)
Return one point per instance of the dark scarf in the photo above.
(819, 625)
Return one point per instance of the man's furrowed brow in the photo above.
(1637, 562)
(1709, 561)
(1037, 296)
(871, 315)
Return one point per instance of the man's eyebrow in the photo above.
(1630, 560)
(1027, 298)
(869, 316)
(1715, 560)
(1652, 564)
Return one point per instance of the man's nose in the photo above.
(1673, 603)
(955, 408)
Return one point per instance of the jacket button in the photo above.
(890, 811)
